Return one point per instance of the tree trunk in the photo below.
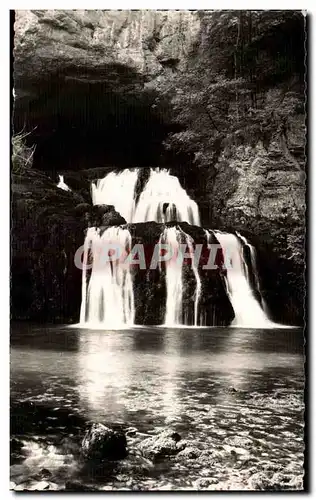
(235, 62)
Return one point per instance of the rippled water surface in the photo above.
(236, 394)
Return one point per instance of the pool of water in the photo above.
(235, 394)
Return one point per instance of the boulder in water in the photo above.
(101, 442)
(164, 444)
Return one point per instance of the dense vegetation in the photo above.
(22, 154)
(245, 80)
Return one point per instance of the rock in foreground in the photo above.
(101, 442)
(164, 444)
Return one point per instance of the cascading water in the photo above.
(107, 298)
(195, 270)
(173, 316)
(248, 311)
(117, 189)
(177, 239)
(164, 200)
(62, 185)
(253, 260)
(108, 295)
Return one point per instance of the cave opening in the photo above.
(93, 120)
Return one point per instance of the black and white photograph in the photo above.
(158, 250)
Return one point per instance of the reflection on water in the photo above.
(215, 385)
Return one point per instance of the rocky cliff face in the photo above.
(89, 87)
(45, 231)
(260, 191)
(86, 43)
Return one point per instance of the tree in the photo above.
(244, 80)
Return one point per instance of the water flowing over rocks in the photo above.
(264, 193)
(118, 64)
(149, 281)
(50, 223)
(149, 286)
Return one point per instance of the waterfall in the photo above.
(107, 289)
(62, 184)
(86, 247)
(198, 289)
(253, 260)
(174, 237)
(117, 189)
(107, 295)
(173, 316)
(164, 200)
(107, 298)
(248, 311)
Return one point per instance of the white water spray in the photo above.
(164, 200)
(198, 289)
(108, 295)
(174, 237)
(253, 260)
(173, 316)
(62, 184)
(107, 298)
(248, 311)
(117, 189)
